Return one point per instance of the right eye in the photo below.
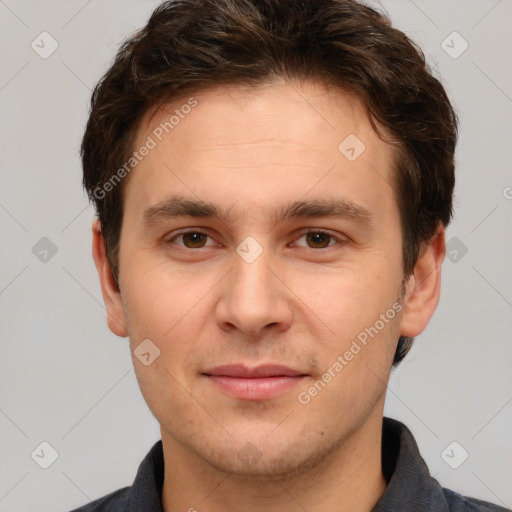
(191, 239)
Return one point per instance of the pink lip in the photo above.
(259, 383)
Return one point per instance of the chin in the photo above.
(268, 460)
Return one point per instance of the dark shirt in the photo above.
(410, 487)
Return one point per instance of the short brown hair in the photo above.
(191, 45)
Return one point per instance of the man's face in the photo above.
(253, 294)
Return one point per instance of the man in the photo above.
(272, 181)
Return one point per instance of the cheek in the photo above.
(346, 300)
(352, 369)
(160, 307)
(362, 314)
(159, 297)
(157, 312)
(164, 389)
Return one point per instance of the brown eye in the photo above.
(318, 239)
(194, 239)
(191, 239)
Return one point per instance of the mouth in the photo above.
(259, 383)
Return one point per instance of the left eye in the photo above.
(319, 239)
(314, 239)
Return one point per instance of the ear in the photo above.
(111, 295)
(424, 286)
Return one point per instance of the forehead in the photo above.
(298, 111)
(279, 138)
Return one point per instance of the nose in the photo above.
(254, 298)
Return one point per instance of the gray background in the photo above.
(67, 380)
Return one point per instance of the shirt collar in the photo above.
(410, 486)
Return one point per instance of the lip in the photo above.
(259, 383)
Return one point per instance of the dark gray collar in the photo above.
(410, 486)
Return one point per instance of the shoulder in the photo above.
(116, 501)
(143, 495)
(458, 503)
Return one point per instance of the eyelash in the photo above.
(303, 233)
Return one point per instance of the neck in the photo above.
(349, 479)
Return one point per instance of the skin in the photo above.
(301, 303)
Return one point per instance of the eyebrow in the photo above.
(180, 206)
